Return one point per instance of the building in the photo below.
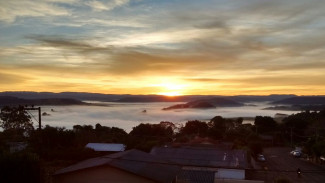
(128, 166)
(206, 164)
(16, 146)
(106, 147)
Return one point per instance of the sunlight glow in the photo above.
(171, 89)
(170, 94)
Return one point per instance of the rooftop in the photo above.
(203, 156)
(133, 161)
(106, 147)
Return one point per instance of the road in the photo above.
(279, 163)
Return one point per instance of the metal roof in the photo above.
(194, 176)
(203, 156)
(106, 147)
(133, 161)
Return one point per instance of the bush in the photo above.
(19, 167)
(282, 180)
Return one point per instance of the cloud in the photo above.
(216, 56)
(221, 43)
(208, 80)
(118, 60)
(113, 23)
(69, 44)
(11, 79)
(11, 10)
(285, 80)
(106, 6)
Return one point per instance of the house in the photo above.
(106, 147)
(206, 164)
(16, 146)
(128, 166)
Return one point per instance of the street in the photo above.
(279, 163)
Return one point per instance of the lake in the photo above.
(128, 115)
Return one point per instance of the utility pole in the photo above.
(316, 134)
(291, 136)
(39, 115)
(39, 130)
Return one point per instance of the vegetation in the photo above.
(15, 118)
(282, 180)
(145, 136)
(16, 123)
(20, 167)
(307, 130)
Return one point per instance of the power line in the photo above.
(39, 115)
(33, 116)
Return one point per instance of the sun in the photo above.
(171, 89)
(170, 94)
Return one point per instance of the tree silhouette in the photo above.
(15, 118)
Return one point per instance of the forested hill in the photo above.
(206, 103)
(72, 95)
(303, 100)
(10, 101)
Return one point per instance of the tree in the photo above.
(15, 118)
(256, 147)
(195, 128)
(217, 127)
(152, 130)
(265, 124)
(146, 136)
(239, 121)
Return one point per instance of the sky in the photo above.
(169, 47)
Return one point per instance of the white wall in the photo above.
(230, 174)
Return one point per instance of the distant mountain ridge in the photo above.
(84, 96)
(315, 107)
(302, 100)
(260, 98)
(73, 95)
(10, 101)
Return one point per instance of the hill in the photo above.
(72, 95)
(206, 103)
(259, 98)
(10, 101)
(302, 100)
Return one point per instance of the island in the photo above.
(206, 104)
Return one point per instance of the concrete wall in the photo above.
(102, 174)
(230, 174)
